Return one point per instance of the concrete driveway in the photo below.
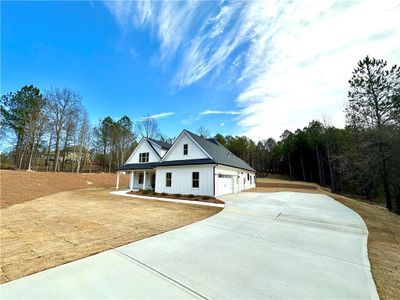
(262, 245)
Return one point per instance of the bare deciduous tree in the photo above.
(203, 132)
(61, 104)
(147, 127)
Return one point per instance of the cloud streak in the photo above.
(290, 61)
(157, 116)
(219, 112)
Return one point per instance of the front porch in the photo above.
(140, 179)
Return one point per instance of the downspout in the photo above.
(214, 179)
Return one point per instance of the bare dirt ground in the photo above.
(59, 228)
(383, 239)
(21, 186)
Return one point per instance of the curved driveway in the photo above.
(262, 245)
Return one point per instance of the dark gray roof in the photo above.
(147, 166)
(181, 162)
(219, 153)
(162, 144)
(138, 166)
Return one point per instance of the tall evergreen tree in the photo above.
(372, 107)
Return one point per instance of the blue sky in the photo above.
(252, 68)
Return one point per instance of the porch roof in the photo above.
(139, 166)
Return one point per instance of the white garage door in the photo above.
(225, 184)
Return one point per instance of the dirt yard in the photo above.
(383, 239)
(21, 186)
(59, 228)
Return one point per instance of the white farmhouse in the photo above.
(191, 165)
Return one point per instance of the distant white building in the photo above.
(191, 165)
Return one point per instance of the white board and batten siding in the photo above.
(162, 152)
(232, 180)
(176, 152)
(142, 148)
(181, 182)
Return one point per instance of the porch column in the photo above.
(117, 183)
(144, 179)
(131, 175)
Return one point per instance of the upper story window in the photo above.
(144, 157)
(195, 179)
(168, 179)
(185, 149)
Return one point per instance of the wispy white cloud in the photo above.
(219, 112)
(290, 60)
(157, 116)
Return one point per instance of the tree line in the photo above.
(363, 158)
(51, 131)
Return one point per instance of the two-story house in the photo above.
(191, 165)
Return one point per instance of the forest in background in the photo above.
(50, 131)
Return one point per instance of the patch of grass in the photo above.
(145, 192)
(68, 221)
(178, 195)
(190, 196)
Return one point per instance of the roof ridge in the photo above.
(159, 142)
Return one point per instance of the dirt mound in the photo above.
(285, 185)
(20, 186)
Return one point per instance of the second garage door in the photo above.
(225, 184)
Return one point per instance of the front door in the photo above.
(153, 181)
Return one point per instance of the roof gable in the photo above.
(195, 151)
(146, 146)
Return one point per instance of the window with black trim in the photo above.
(248, 176)
(144, 157)
(185, 149)
(195, 179)
(140, 178)
(168, 179)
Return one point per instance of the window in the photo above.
(195, 179)
(140, 177)
(185, 149)
(224, 176)
(248, 176)
(168, 179)
(144, 157)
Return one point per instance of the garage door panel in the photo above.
(225, 184)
